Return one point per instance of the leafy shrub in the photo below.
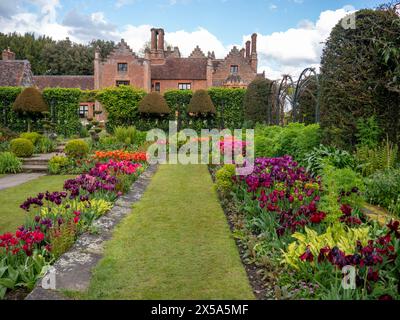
(57, 164)
(154, 103)
(296, 140)
(125, 135)
(22, 147)
(379, 158)
(45, 145)
(4, 146)
(32, 136)
(315, 160)
(76, 148)
(201, 103)
(383, 189)
(62, 238)
(9, 163)
(30, 101)
(344, 184)
(223, 178)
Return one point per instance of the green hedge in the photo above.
(63, 103)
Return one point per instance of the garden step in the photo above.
(34, 161)
(34, 168)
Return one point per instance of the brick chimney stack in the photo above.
(153, 45)
(161, 34)
(254, 56)
(254, 44)
(248, 49)
(7, 54)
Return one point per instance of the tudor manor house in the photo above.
(160, 69)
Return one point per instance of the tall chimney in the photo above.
(248, 49)
(254, 43)
(160, 39)
(7, 54)
(153, 45)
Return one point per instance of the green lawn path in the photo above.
(175, 245)
(11, 215)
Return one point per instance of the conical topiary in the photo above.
(201, 103)
(154, 103)
(30, 100)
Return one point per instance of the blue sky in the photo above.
(290, 32)
(227, 19)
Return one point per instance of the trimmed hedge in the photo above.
(63, 105)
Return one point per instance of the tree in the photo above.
(307, 102)
(201, 104)
(357, 77)
(30, 104)
(154, 103)
(257, 101)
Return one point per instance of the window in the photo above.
(157, 87)
(234, 69)
(122, 67)
(83, 111)
(122, 83)
(185, 86)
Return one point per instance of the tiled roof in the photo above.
(81, 82)
(180, 68)
(15, 73)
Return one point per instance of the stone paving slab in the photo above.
(12, 180)
(73, 269)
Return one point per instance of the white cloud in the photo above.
(297, 48)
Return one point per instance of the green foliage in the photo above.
(76, 148)
(121, 104)
(126, 135)
(201, 103)
(381, 157)
(154, 103)
(355, 77)
(22, 147)
(368, 132)
(223, 178)
(383, 189)
(30, 100)
(257, 102)
(48, 56)
(57, 164)
(340, 183)
(308, 101)
(63, 238)
(296, 139)
(34, 137)
(9, 163)
(315, 160)
(65, 104)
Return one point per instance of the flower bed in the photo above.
(120, 155)
(55, 219)
(278, 217)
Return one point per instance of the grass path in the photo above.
(11, 215)
(175, 245)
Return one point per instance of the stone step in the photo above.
(34, 161)
(34, 168)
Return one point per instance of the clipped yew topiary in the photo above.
(30, 104)
(76, 149)
(154, 103)
(257, 101)
(22, 148)
(201, 103)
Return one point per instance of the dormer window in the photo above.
(234, 69)
(122, 67)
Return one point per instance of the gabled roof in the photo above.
(180, 68)
(15, 73)
(81, 82)
(197, 53)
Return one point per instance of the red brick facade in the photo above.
(163, 69)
